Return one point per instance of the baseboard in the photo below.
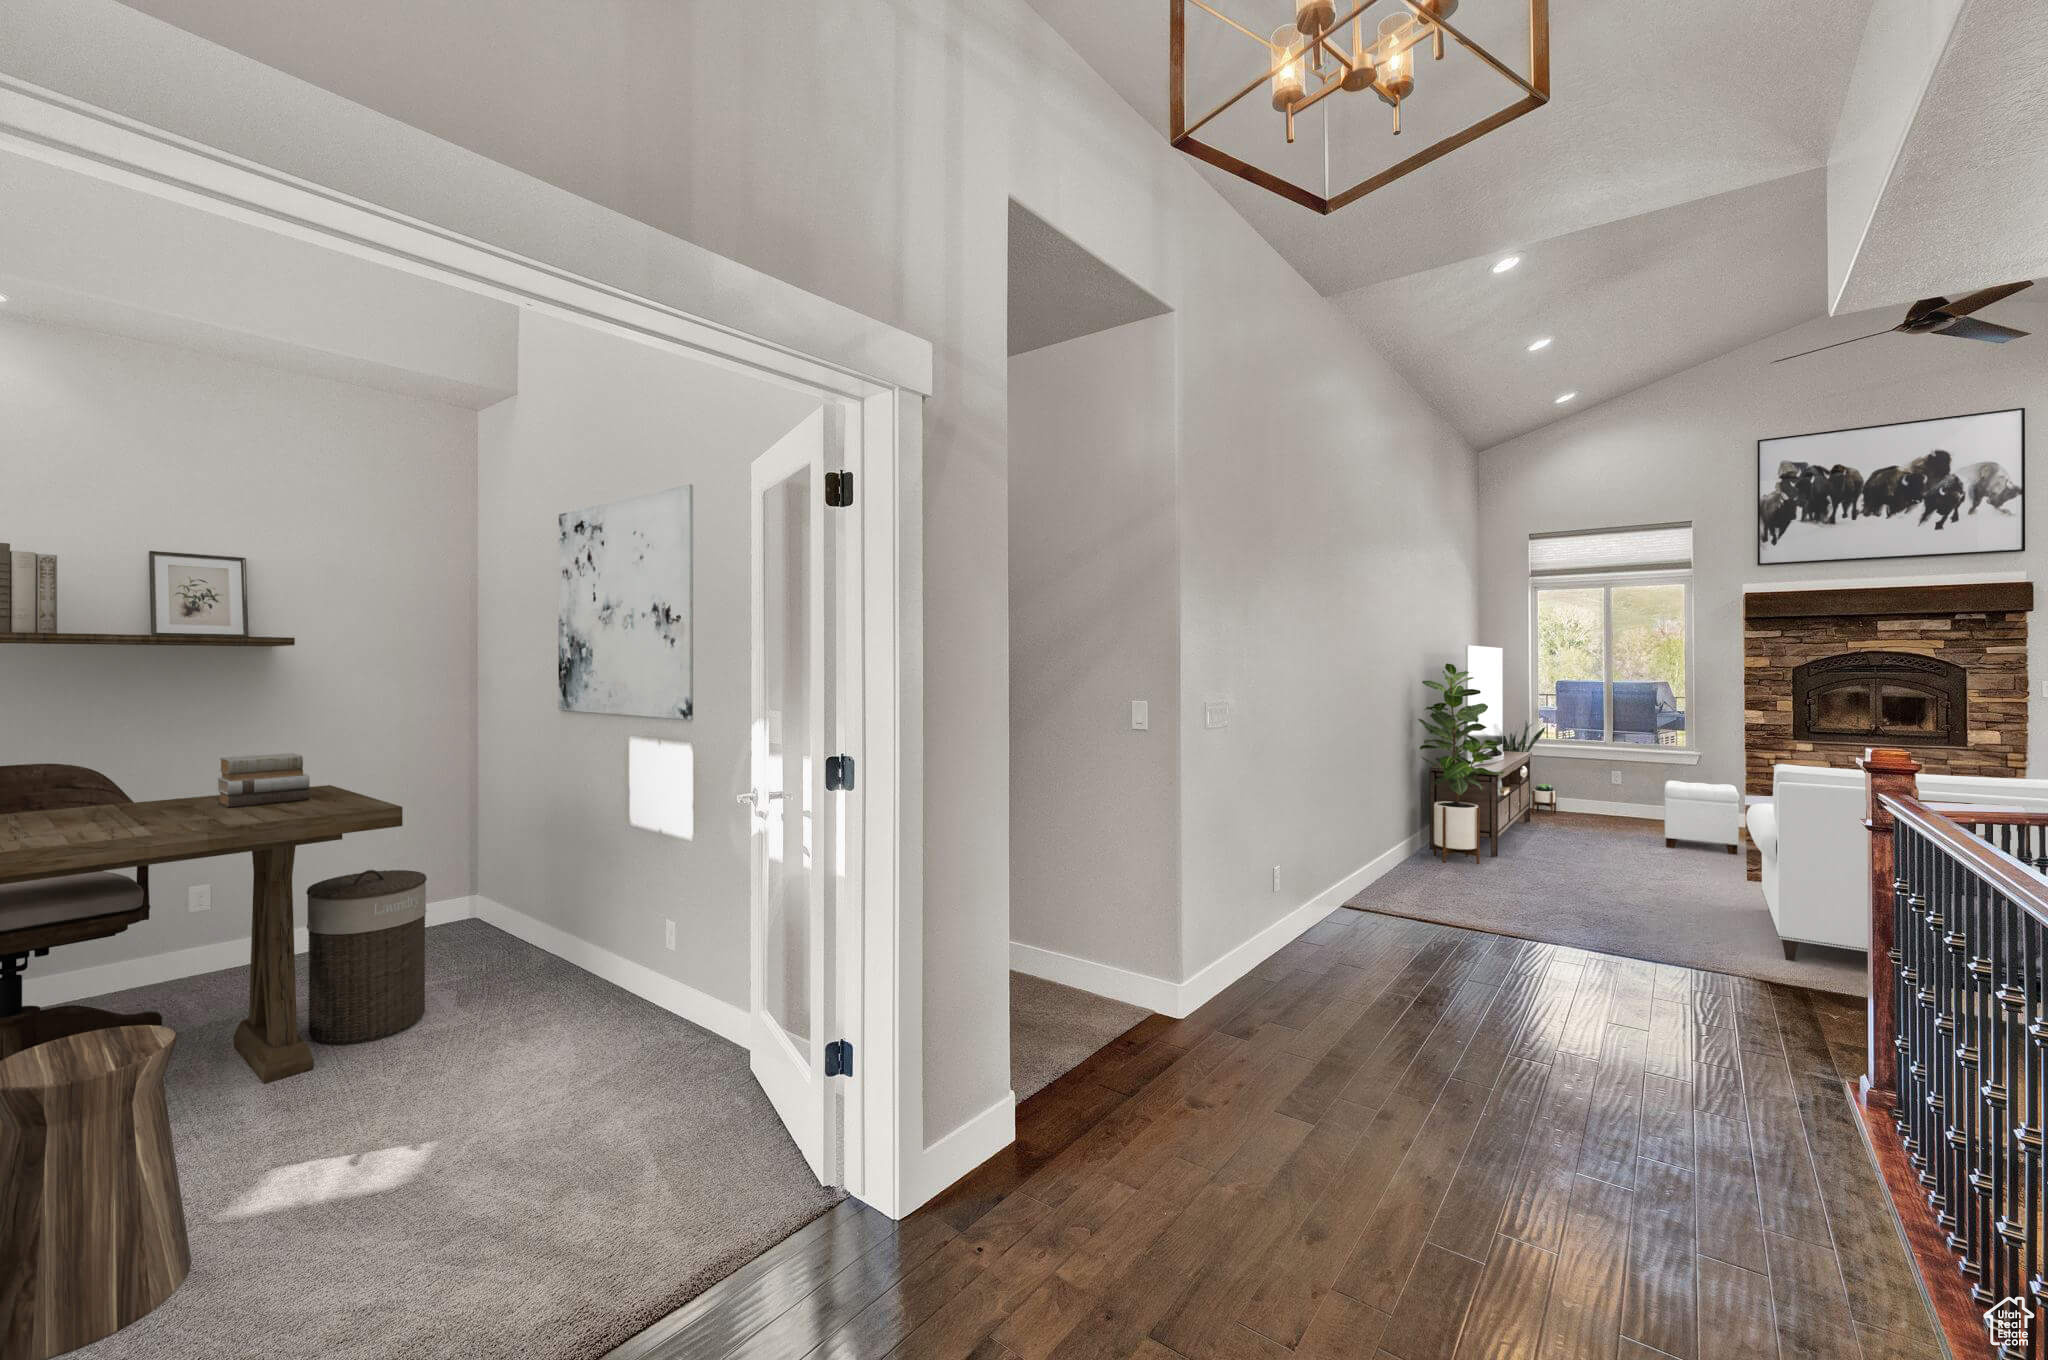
(1103, 979)
(1214, 977)
(959, 1152)
(54, 989)
(1649, 812)
(722, 1018)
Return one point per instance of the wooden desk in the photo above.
(1502, 790)
(116, 836)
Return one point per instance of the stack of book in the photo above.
(28, 591)
(248, 780)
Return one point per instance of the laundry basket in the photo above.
(367, 974)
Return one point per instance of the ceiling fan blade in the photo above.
(1983, 297)
(1924, 307)
(1837, 345)
(1970, 328)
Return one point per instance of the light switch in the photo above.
(1141, 716)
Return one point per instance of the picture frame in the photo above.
(198, 594)
(1938, 487)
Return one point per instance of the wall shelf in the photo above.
(138, 640)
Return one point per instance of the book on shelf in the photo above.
(257, 799)
(261, 767)
(46, 592)
(22, 590)
(275, 784)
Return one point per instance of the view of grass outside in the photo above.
(1648, 666)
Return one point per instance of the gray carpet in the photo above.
(541, 1167)
(1053, 1030)
(1608, 884)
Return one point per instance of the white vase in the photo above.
(1457, 826)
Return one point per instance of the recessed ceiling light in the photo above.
(1505, 263)
(1564, 398)
(1543, 343)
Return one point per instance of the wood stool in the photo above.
(92, 1224)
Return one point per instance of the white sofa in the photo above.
(1816, 854)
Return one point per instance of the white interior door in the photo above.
(797, 823)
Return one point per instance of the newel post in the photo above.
(1892, 772)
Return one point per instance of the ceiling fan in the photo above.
(1939, 316)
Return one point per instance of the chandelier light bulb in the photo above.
(1396, 59)
(1290, 78)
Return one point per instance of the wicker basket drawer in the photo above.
(367, 974)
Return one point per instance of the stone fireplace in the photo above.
(1938, 669)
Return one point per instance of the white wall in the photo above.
(1094, 624)
(356, 511)
(1337, 558)
(599, 419)
(1685, 449)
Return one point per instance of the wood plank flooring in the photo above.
(1395, 1140)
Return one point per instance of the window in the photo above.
(1611, 622)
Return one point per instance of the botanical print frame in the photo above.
(625, 632)
(198, 595)
(1945, 486)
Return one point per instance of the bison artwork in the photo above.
(1891, 490)
(1845, 492)
(1774, 515)
(1944, 501)
(1990, 486)
(1919, 488)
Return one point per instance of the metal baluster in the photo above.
(2007, 1000)
(1943, 1135)
(1978, 1153)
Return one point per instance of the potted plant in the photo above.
(1451, 736)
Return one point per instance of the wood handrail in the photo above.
(1974, 814)
(2012, 878)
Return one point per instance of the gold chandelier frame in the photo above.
(1535, 93)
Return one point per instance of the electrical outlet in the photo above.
(1276, 878)
(1216, 713)
(668, 933)
(1614, 778)
(199, 897)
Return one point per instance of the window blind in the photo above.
(1649, 547)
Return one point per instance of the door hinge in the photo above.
(839, 1058)
(838, 773)
(839, 489)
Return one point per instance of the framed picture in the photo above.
(1921, 488)
(624, 636)
(190, 593)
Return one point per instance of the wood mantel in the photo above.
(1976, 597)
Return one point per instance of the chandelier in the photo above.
(1327, 54)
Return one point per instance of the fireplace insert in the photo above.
(1888, 698)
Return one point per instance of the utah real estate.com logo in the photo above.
(2008, 1322)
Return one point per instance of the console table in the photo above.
(1503, 791)
(122, 835)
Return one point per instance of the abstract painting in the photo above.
(623, 642)
(1920, 488)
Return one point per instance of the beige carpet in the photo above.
(1608, 884)
(1053, 1030)
(541, 1167)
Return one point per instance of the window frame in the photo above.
(1606, 581)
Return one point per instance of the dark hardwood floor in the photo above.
(1395, 1139)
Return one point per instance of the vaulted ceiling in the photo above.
(1672, 201)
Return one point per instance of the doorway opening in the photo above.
(1094, 652)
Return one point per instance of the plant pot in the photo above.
(1457, 827)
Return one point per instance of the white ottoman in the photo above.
(1709, 813)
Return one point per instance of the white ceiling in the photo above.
(1669, 203)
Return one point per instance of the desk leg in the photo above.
(269, 1039)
